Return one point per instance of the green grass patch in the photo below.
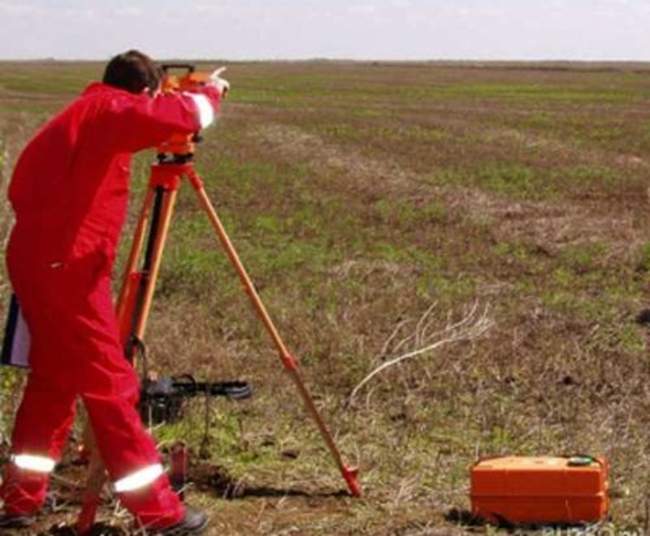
(445, 288)
(583, 258)
(513, 92)
(507, 179)
(643, 263)
(54, 79)
(580, 176)
(408, 215)
(510, 179)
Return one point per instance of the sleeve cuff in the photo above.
(204, 109)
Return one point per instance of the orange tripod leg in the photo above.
(144, 298)
(95, 481)
(136, 249)
(291, 365)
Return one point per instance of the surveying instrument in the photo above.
(175, 162)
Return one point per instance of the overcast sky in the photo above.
(355, 29)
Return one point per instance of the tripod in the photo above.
(136, 296)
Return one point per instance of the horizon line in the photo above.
(54, 59)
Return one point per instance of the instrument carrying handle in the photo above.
(168, 66)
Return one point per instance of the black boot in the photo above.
(194, 522)
(15, 521)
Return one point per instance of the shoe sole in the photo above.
(16, 523)
(185, 531)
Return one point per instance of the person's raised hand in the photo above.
(222, 85)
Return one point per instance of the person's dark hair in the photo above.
(132, 71)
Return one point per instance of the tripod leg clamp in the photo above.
(289, 362)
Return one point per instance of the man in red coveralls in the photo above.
(69, 192)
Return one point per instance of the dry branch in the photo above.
(472, 326)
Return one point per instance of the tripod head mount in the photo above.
(180, 148)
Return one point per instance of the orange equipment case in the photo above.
(546, 489)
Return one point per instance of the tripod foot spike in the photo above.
(351, 474)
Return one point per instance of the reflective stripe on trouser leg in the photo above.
(29, 462)
(139, 479)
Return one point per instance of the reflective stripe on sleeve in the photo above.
(139, 479)
(38, 464)
(206, 113)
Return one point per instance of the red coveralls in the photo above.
(69, 191)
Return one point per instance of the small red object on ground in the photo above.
(540, 489)
(178, 469)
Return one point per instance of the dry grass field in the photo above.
(498, 213)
